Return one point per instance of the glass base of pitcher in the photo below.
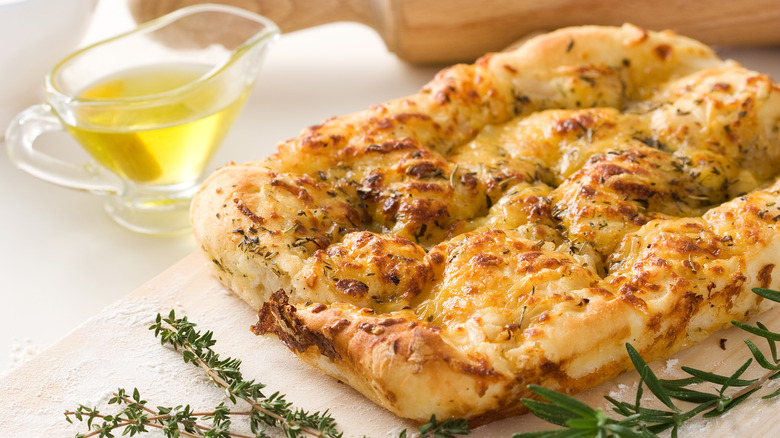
(152, 212)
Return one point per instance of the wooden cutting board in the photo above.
(116, 349)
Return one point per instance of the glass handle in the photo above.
(20, 138)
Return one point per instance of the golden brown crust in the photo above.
(517, 221)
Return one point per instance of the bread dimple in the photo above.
(517, 221)
(382, 272)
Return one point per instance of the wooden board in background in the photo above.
(116, 349)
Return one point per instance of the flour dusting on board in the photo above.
(22, 350)
(111, 359)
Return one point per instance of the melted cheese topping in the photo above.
(521, 218)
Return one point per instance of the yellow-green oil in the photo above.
(159, 125)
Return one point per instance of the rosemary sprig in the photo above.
(579, 420)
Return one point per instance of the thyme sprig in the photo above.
(637, 421)
(136, 418)
(195, 347)
(181, 421)
(271, 410)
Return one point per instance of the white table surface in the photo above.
(63, 259)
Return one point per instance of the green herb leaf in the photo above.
(757, 331)
(652, 382)
(772, 345)
(564, 401)
(549, 412)
(705, 376)
(769, 294)
(760, 358)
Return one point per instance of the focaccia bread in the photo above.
(516, 222)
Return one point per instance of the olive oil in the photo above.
(163, 143)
